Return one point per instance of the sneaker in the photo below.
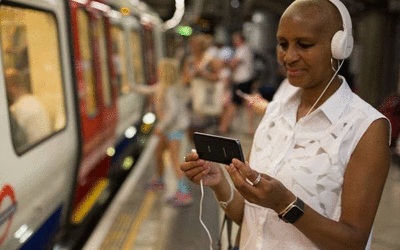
(155, 185)
(181, 199)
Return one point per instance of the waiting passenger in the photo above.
(320, 157)
(172, 125)
(26, 109)
(201, 75)
(242, 66)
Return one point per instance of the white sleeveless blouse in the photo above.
(309, 157)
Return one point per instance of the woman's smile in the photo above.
(294, 72)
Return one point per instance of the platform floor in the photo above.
(141, 219)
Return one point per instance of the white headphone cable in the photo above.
(201, 209)
(327, 86)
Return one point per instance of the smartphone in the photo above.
(217, 148)
(242, 94)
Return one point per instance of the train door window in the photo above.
(119, 59)
(32, 69)
(137, 62)
(100, 33)
(86, 60)
(150, 55)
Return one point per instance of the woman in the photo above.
(173, 121)
(201, 74)
(323, 156)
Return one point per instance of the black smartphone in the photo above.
(217, 148)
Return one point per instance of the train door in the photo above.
(97, 104)
(39, 137)
(129, 102)
(105, 68)
(128, 61)
(137, 61)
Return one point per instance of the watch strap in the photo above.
(293, 212)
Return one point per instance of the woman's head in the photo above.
(198, 44)
(167, 71)
(238, 39)
(304, 38)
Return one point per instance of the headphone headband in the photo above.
(346, 19)
(342, 41)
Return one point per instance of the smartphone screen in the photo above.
(217, 148)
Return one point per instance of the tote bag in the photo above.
(207, 97)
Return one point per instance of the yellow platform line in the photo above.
(84, 206)
(143, 213)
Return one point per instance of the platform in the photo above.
(141, 219)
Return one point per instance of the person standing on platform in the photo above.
(201, 71)
(243, 70)
(320, 157)
(173, 122)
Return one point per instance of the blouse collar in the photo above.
(332, 108)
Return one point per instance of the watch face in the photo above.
(294, 214)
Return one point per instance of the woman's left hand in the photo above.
(268, 192)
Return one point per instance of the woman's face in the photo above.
(304, 50)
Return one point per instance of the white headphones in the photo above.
(342, 42)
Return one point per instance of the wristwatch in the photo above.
(292, 212)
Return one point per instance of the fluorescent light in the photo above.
(149, 118)
(80, 1)
(115, 14)
(130, 132)
(100, 6)
(179, 11)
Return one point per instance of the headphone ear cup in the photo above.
(337, 45)
(341, 45)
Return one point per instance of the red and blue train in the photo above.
(71, 125)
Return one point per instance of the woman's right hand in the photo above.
(196, 169)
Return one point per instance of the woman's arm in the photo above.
(158, 99)
(211, 173)
(362, 189)
(235, 208)
(364, 181)
(213, 73)
(186, 72)
(169, 108)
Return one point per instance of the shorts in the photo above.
(176, 135)
(244, 87)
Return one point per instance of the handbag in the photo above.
(207, 97)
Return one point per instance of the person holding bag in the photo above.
(201, 73)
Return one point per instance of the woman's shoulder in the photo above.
(359, 106)
(361, 115)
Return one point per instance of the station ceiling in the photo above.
(218, 8)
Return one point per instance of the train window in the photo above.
(119, 58)
(100, 33)
(33, 76)
(136, 48)
(150, 54)
(88, 76)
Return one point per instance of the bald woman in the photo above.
(320, 156)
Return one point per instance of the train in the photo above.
(72, 126)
